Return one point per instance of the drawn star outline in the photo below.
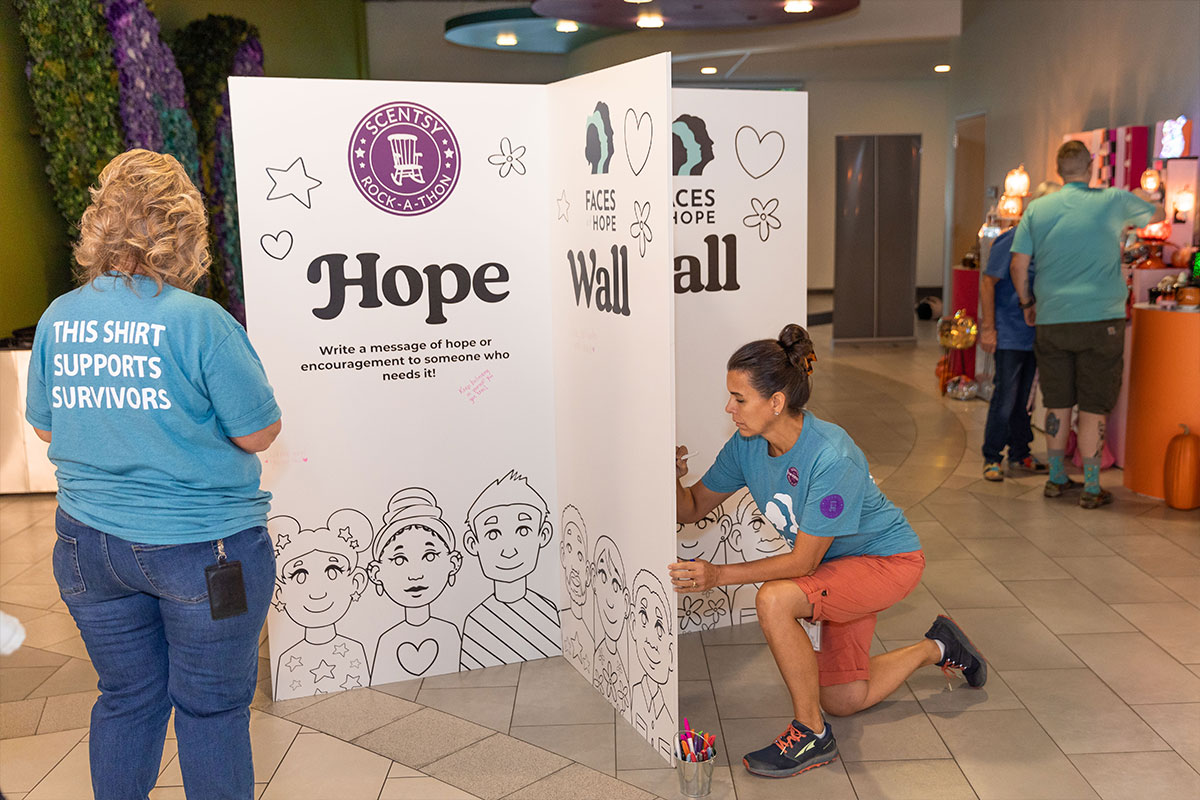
(340, 649)
(564, 207)
(325, 670)
(294, 181)
(293, 662)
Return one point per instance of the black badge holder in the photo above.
(226, 588)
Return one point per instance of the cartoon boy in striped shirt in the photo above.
(507, 526)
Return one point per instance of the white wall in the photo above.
(1043, 69)
(839, 108)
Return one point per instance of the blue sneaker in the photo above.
(960, 653)
(797, 750)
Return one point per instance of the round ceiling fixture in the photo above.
(681, 14)
(942, 68)
(521, 30)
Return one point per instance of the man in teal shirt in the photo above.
(1075, 235)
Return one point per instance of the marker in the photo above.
(685, 456)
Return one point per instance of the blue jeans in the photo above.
(1008, 414)
(144, 615)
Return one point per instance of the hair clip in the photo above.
(808, 363)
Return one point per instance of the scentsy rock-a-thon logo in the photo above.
(404, 158)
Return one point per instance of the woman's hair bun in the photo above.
(797, 346)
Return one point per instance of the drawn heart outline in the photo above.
(754, 151)
(638, 142)
(416, 659)
(277, 245)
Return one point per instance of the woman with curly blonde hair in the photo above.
(154, 404)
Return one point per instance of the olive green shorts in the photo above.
(1080, 363)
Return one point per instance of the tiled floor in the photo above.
(1091, 621)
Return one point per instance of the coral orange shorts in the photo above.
(846, 595)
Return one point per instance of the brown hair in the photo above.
(1073, 158)
(779, 365)
(147, 218)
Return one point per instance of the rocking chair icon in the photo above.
(406, 161)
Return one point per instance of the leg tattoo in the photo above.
(1100, 441)
(1051, 423)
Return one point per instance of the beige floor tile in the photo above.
(1174, 626)
(909, 780)
(70, 779)
(692, 663)
(745, 735)
(633, 751)
(1187, 588)
(491, 707)
(17, 683)
(348, 715)
(66, 712)
(1067, 606)
(270, 739)
(1006, 754)
(263, 702)
(1115, 580)
(1012, 638)
(50, 629)
(76, 675)
(505, 675)
(32, 657)
(591, 745)
(1154, 555)
(551, 692)
(746, 681)
(938, 543)
(749, 633)
(20, 717)
(1058, 537)
(25, 761)
(577, 782)
(496, 766)
(35, 595)
(965, 584)
(1135, 668)
(421, 788)
(665, 782)
(398, 770)
(910, 618)
(405, 690)
(1139, 775)
(319, 767)
(40, 571)
(1179, 725)
(1080, 713)
(928, 686)
(423, 737)
(889, 731)
(1187, 539)
(1013, 559)
(72, 646)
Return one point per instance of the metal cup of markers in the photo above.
(695, 777)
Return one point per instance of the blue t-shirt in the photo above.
(1075, 235)
(141, 392)
(1011, 331)
(822, 486)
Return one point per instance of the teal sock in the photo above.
(1058, 470)
(1091, 475)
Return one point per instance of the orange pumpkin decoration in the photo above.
(1181, 471)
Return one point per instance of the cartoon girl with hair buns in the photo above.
(317, 578)
(413, 561)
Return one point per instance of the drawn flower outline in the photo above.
(763, 217)
(691, 611)
(640, 229)
(509, 158)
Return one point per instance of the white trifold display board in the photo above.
(741, 211)
(464, 298)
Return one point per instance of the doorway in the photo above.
(970, 137)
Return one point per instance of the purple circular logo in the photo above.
(793, 476)
(832, 505)
(404, 158)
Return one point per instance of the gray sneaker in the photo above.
(1053, 489)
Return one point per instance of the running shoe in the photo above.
(1029, 465)
(991, 471)
(1094, 499)
(960, 653)
(797, 750)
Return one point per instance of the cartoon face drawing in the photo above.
(415, 566)
(318, 575)
(572, 555)
(702, 539)
(751, 537)
(610, 588)
(650, 627)
(507, 526)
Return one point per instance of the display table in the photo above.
(24, 466)
(1164, 391)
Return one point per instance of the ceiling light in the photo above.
(506, 39)
(708, 70)
(1151, 180)
(566, 26)
(797, 6)
(942, 68)
(650, 21)
(636, 2)
(1016, 182)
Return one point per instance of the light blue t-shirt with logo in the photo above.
(141, 390)
(822, 486)
(1075, 235)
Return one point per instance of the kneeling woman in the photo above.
(853, 554)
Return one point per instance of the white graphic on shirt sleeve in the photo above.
(779, 513)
